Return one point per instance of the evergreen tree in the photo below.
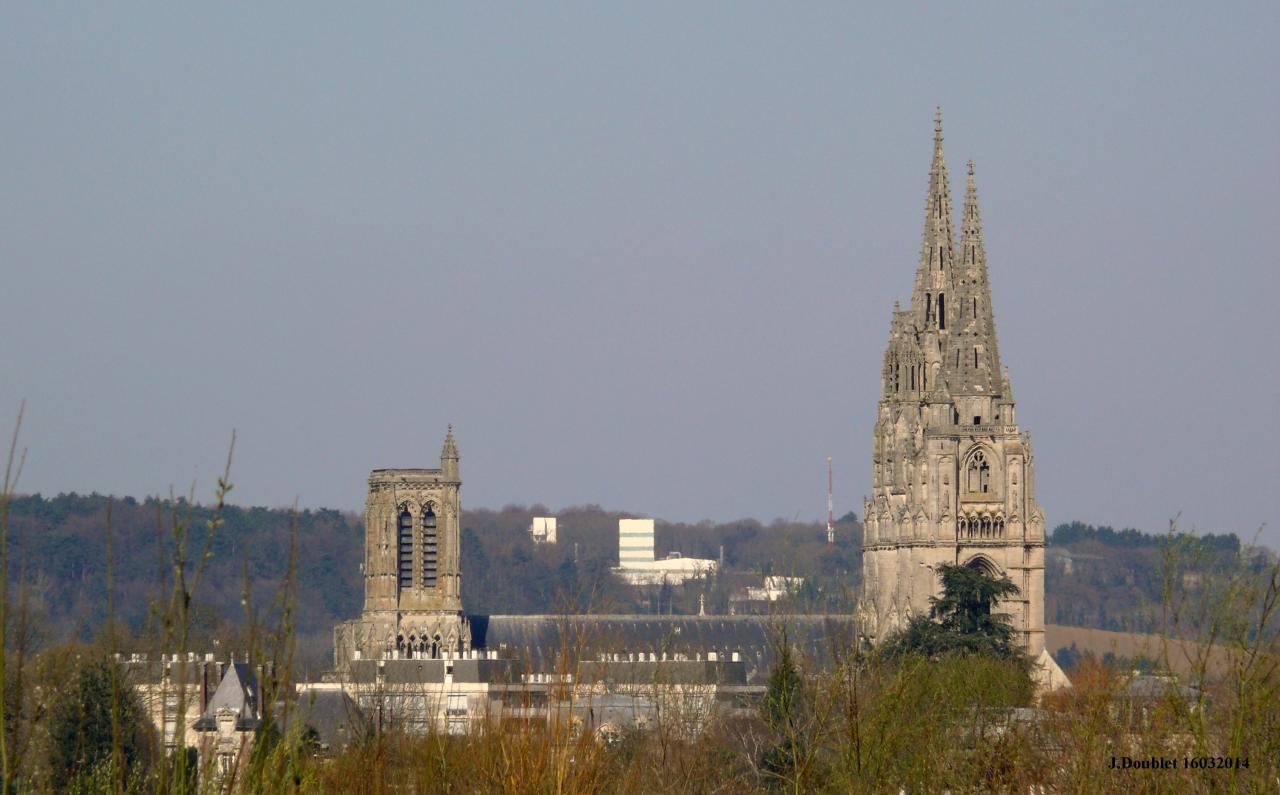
(780, 709)
(782, 695)
(97, 720)
(961, 621)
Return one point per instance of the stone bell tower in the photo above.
(412, 577)
(953, 477)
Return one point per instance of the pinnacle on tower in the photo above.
(937, 246)
(449, 454)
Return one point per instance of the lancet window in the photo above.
(405, 544)
(430, 547)
(981, 526)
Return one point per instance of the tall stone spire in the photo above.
(972, 364)
(952, 476)
(937, 246)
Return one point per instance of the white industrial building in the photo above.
(543, 529)
(775, 588)
(636, 562)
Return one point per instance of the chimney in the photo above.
(204, 687)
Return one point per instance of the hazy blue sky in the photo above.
(643, 257)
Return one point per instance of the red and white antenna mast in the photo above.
(831, 515)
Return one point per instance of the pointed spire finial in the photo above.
(450, 446)
(937, 139)
(937, 244)
(972, 225)
(449, 455)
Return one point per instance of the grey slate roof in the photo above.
(1150, 686)
(237, 691)
(545, 642)
(337, 719)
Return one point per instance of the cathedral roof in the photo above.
(541, 640)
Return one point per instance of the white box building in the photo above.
(636, 563)
(635, 543)
(543, 529)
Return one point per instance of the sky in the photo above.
(639, 255)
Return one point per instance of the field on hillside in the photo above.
(1182, 656)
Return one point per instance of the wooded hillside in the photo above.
(1095, 576)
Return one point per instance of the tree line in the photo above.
(58, 551)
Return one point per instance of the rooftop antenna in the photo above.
(831, 514)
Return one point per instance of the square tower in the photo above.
(412, 576)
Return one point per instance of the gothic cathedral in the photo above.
(953, 476)
(412, 578)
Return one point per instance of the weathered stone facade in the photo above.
(412, 576)
(953, 476)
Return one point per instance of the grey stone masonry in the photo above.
(412, 572)
(953, 476)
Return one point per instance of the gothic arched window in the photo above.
(942, 311)
(978, 474)
(405, 544)
(984, 565)
(429, 547)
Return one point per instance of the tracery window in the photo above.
(978, 474)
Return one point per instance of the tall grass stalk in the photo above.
(11, 475)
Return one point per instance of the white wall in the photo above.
(635, 543)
